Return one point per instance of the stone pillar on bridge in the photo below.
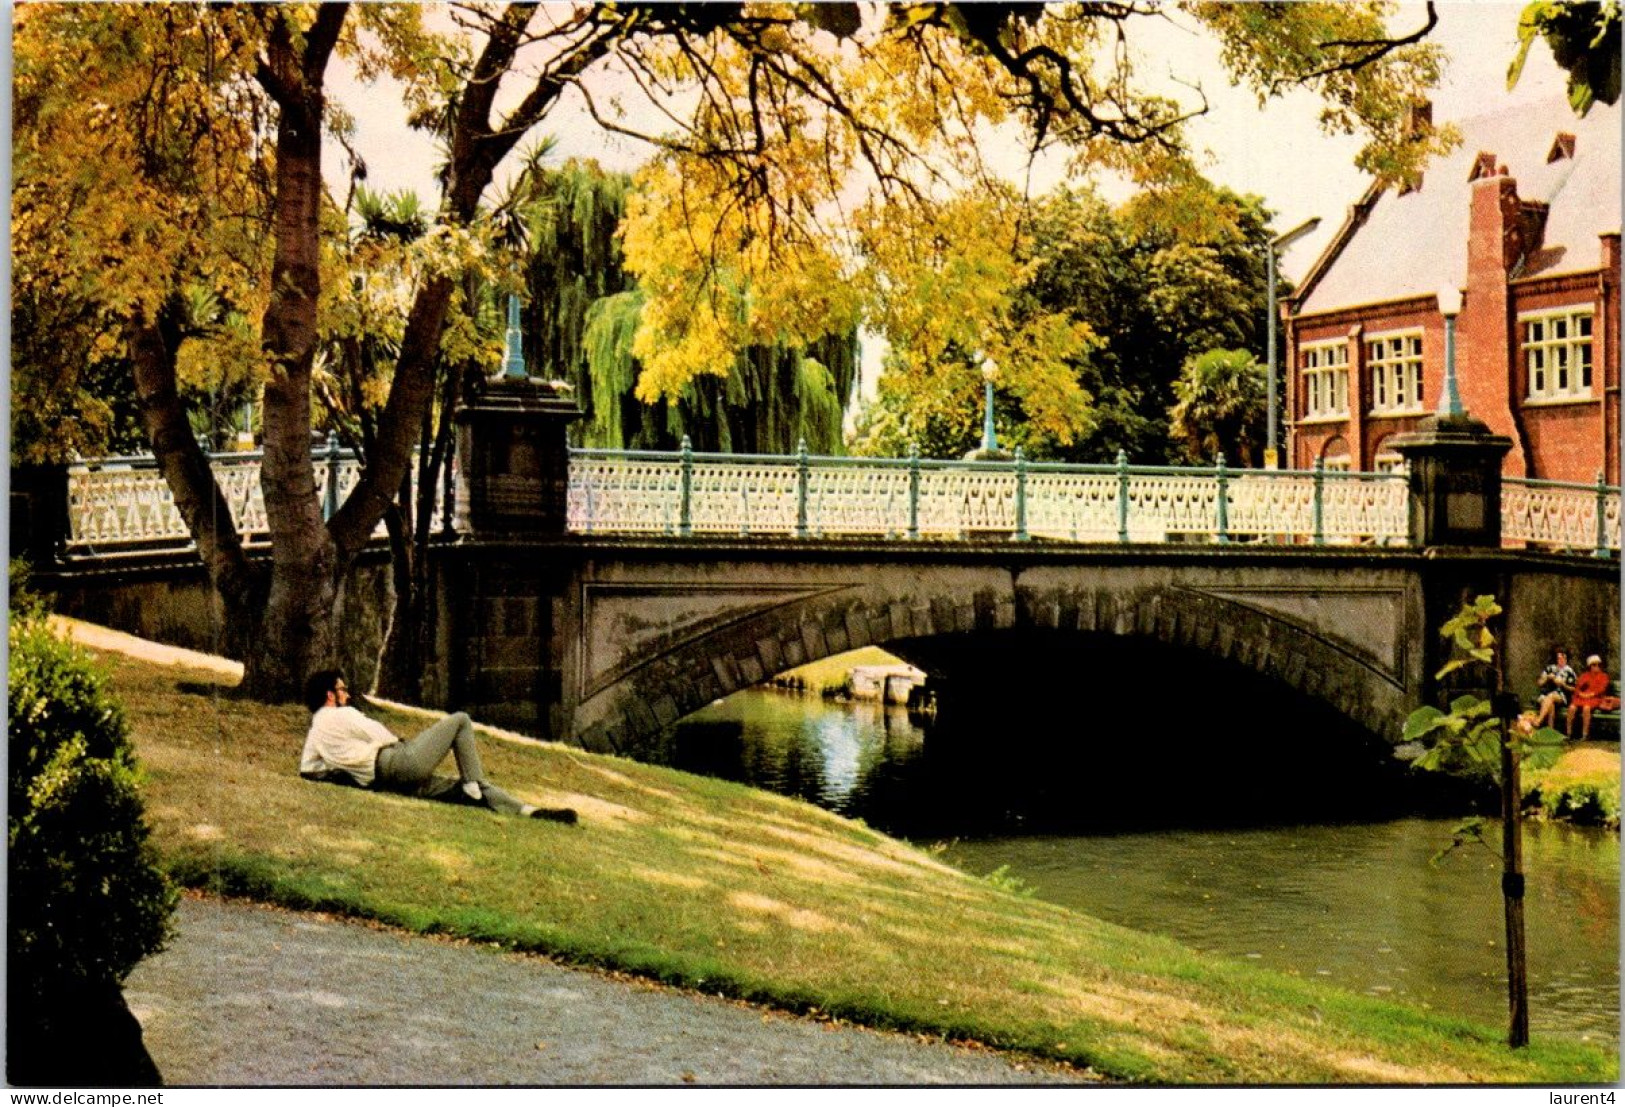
(1455, 501)
(514, 473)
(504, 591)
(1455, 481)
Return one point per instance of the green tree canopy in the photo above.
(1585, 42)
(583, 312)
(1152, 287)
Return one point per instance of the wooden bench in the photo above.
(1608, 720)
(1604, 725)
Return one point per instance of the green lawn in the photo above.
(719, 887)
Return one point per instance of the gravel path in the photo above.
(251, 995)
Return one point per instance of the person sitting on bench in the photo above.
(1590, 694)
(345, 747)
(1554, 689)
(1555, 686)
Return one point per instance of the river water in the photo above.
(1353, 901)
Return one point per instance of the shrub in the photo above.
(1587, 802)
(1006, 881)
(87, 900)
(1583, 787)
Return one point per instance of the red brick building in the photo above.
(1524, 219)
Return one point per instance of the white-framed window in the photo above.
(1394, 362)
(1557, 353)
(1325, 374)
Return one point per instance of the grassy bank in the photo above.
(719, 887)
(831, 674)
(1583, 787)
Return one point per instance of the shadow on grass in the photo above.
(212, 690)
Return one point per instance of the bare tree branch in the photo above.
(1365, 52)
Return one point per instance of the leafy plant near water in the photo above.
(1586, 802)
(1583, 787)
(1466, 739)
(1466, 742)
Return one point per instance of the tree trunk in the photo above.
(293, 632)
(407, 646)
(298, 634)
(241, 584)
(1505, 705)
(400, 664)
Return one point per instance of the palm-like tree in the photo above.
(1220, 406)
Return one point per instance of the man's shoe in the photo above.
(554, 814)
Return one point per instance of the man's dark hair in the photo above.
(317, 685)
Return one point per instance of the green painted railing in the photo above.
(116, 503)
(682, 493)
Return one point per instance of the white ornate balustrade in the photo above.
(125, 503)
(1561, 516)
(632, 493)
(681, 494)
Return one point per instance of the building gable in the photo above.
(1397, 245)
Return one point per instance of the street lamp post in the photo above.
(1279, 242)
(990, 372)
(1450, 394)
(989, 449)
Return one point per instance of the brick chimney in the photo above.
(1499, 234)
(1493, 238)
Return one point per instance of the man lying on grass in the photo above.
(346, 747)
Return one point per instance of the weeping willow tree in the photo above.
(584, 309)
(574, 263)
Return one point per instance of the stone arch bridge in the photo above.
(597, 596)
(605, 641)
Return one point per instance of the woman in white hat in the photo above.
(1590, 693)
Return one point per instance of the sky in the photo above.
(1277, 152)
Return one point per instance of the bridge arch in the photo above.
(1347, 644)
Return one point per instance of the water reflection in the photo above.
(830, 755)
(1354, 902)
(990, 776)
(1358, 905)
